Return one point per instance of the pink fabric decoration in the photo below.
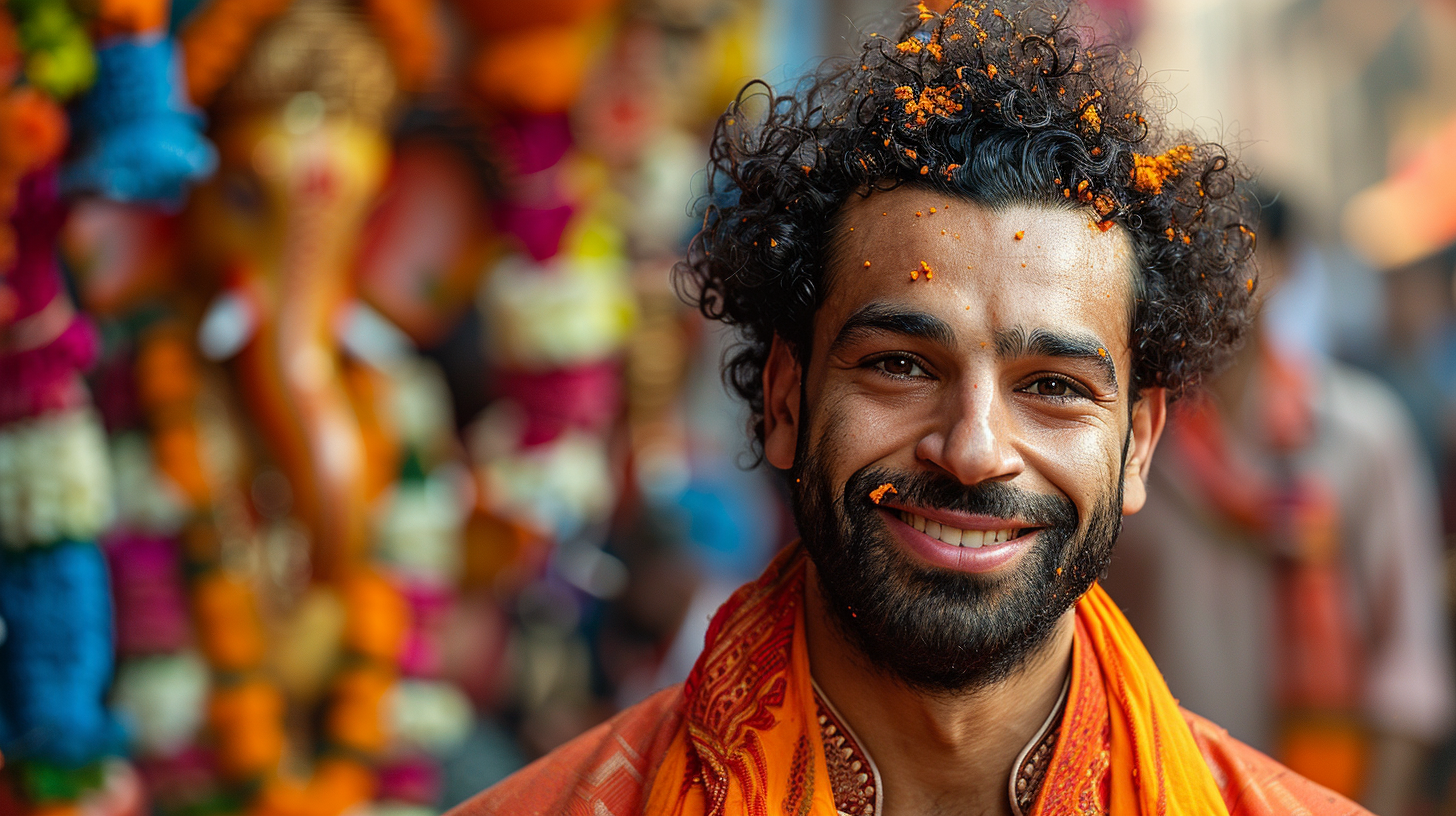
(586, 397)
(150, 598)
(538, 230)
(415, 779)
(423, 654)
(40, 379)
(531, 143)
(178, 778)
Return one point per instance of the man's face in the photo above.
(978, 362)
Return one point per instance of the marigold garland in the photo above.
(540, 70)
(125, 17)
(247, 709)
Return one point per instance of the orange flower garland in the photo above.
(246, 712)
(121, 17)
(540, 70)
(244, 719)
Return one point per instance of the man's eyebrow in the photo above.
(1017, 342)
(882, 317)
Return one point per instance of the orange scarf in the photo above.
(750, 739)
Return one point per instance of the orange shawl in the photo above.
(749, 740)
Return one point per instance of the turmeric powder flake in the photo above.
(1150, 172)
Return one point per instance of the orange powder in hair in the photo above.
(1150, 172)
(930, 102)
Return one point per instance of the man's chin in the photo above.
(940, 631)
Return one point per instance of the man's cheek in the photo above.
(1076, 460)
(857, 431)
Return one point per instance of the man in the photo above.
(968, 275)
(1291, 522)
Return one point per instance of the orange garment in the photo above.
(741, 736)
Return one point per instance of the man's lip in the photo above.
(937, 553)
(961, 521)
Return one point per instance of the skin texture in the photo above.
(969, 408)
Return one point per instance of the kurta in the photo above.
(746, 734)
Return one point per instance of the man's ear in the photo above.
(781, 386)
(1148, 417)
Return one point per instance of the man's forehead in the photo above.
(920, 235)
(1031, 264)
(914, 216)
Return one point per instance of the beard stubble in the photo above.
(938, 631)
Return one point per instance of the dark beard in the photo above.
(943, 632)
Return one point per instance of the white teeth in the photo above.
(951, 535)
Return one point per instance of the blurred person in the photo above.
(1285, 572)
(1418, 360)
(981, 201)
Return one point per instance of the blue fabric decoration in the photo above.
(56, 659)
(141, 141)
(731, 524)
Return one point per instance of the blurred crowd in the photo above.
(356, 448)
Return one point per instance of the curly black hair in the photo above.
(1009, 103)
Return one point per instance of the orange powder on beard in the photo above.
(878, 494)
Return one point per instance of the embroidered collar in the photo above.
(855, 779)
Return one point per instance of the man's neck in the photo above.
(936, 755)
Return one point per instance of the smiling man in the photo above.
(969, 274)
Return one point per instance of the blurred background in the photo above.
(355, 449)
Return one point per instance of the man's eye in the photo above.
(900, 367)
(1052, 387)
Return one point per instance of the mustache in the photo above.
(996, 499)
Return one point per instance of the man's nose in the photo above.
(975, 440)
